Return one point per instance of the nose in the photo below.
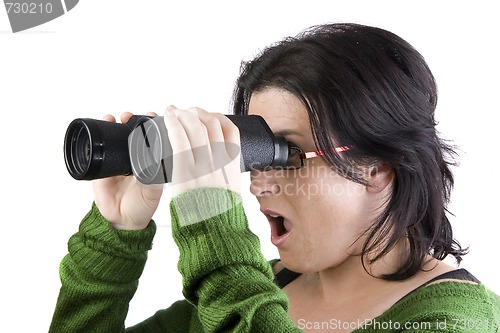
(263, 183)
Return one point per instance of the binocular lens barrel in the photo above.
(80, 150)
(96, 149)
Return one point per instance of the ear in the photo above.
(380, 176)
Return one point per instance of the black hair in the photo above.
(367, 88)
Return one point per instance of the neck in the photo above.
(350, 279)
(348, 292)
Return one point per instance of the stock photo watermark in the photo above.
(313, 180)
(450, 324)
(24, 15)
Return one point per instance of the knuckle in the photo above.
(212, 121)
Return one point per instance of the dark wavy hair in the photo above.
(367, 88)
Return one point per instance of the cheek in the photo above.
(330, 220)
(337, 212)
(324, 241)
(333, 194)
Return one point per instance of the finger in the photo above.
(177, 136)
(215, 135)
(109, 118)
(171, 107)
(224, 138)
(212, 152)
(125, 117)
(230, 130)
(184, 167)
(212, 125)
(231, 135)
(195, 130)
(197, 135)
(152, 114)
(201, 138)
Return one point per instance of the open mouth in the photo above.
(280, 228)
(278, 225)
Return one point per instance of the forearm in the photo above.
(99, 276)
(224, 273)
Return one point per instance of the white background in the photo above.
(114, 56)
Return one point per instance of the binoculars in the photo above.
(96, 149)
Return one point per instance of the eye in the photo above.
(294, 160)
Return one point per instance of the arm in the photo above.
(99, 276)
(106, 256)
(224, 273)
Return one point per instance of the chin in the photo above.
(310, 264)
(298, 264)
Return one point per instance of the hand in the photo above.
(206, 150)
(122, 200)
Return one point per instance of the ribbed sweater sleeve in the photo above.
(224, 272)
(99, 276)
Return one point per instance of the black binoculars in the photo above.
(96, 149)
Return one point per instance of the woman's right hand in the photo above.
(122, 200)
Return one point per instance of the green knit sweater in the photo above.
(227, 282)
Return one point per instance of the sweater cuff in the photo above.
(220, 240)
(198, 205)
(107, 254)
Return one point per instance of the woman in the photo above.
(358, 214)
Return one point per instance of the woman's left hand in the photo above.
(205, 148)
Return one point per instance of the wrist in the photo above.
(122, 221)
(109, 254)
(128, 225)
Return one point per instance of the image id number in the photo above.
(475, 325)
(28, 8)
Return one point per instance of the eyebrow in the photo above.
(285, 132)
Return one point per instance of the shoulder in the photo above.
(450, 290)
(451, 295)
(449, 303)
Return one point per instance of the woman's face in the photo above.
(316, 215)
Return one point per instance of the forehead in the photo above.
(281, 110)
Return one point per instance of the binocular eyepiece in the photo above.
(96, 149)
